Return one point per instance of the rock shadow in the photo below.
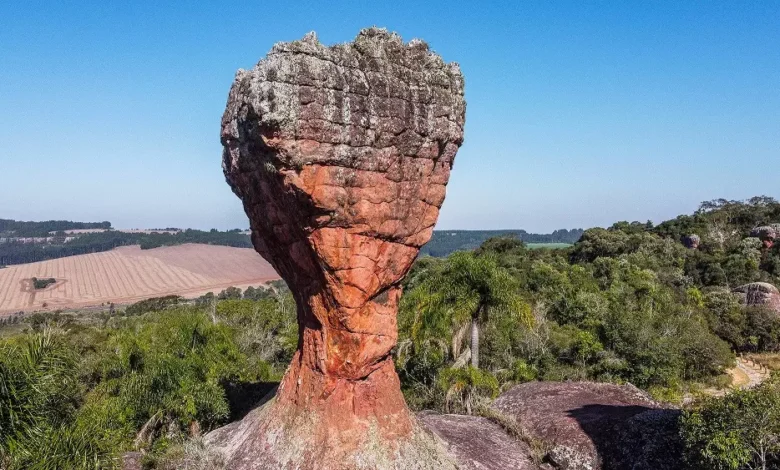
(243, 397)
(632, 436)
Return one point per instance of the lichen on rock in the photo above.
(341, 156)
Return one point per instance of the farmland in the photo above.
(128, 274)
(445, 242)
(553, 246)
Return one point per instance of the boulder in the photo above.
(341, 156)
(478, 443)
(692, 241)
(768, 234)
(132, 461)
(588, 426)
(760, 294)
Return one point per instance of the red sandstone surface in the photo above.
(341, 157)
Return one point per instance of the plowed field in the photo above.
(129, 274)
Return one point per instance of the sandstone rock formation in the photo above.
(692, 241)
(760, 294)
(341, 156)
(767, 233)
(589, 426)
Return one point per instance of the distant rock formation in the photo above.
(692, 241)
(760, 294)
(767, 234)
(589, 425)
(341, 156)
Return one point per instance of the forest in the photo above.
(633, 303)
(444, 242)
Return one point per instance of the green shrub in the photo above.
(739, 431)
(78, 398)
(173, 366)
(154, 304)
(467, 388)
(39, 396)
(43, 283)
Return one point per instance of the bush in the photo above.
(739, 431)
(155, 304)
(78, 399)
(231, 293)
(173, 366)
(42, 283)
(39, 396)
(466, 389)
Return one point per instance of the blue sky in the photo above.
(579, 113)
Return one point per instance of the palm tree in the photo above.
(462, 293)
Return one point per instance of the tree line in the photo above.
(18, 253)
(444, 242)
(46, 228)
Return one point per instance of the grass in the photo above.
(552, 246)
(769, 360)
(12, 329)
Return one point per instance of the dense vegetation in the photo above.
(444, 242)
(625, 304)
(739, 431)
(76, 391)
(18, 253)
(629, 303)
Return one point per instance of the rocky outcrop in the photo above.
(768, 234)
(478, 443)
(588, 425)
(692, 241)
(341, 156)
(760, 294)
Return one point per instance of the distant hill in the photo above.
(30, 242)
(444, 242)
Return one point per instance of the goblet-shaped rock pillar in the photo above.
(341, 156)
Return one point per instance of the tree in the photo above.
(739, 431)
(231, 293)
(463, 293)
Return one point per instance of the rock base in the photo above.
(268, 438)
(579, 425)
(478, 443)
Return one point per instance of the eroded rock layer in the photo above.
(341, 156)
